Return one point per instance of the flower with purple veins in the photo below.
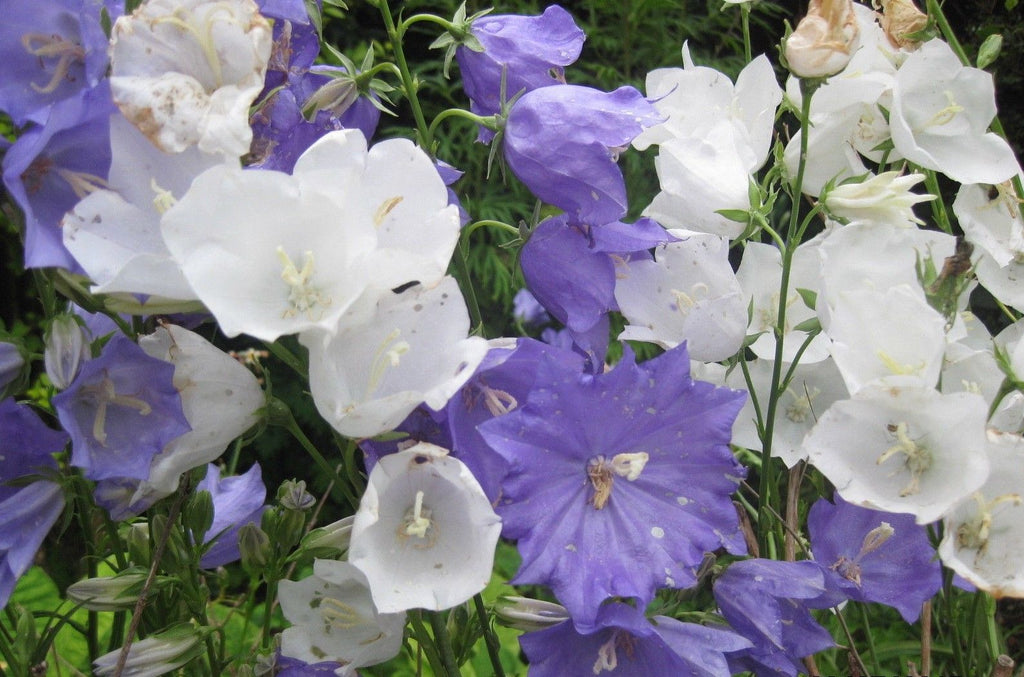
(529, 52)
(619, 482)
(624, 642)
(874, 556)
(563, 141)
(121, 411)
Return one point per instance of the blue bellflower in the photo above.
(121, 411)
(531, 51)
(619, 482)
(563, 141)
(237, 501)
(874, 556)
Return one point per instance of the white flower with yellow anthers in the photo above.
(186, 71)
(333, 619)
(411, 348)
(940, 115)
(424, 533)
(114, 233)
(983, 534)
(903, 449)
(272, 254)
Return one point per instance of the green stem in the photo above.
(268, 610)
(745, 21)
(488, 121)
(288, 357)
(461, 263)
(487, 223)
(934, 10)
(443, 642)
(871, 641)
(424, 641)
(431, 18)
(426, 139)
(490, 638)
(931, 181)
(283, 417)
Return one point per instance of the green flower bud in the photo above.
(254, 545)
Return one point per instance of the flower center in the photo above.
(947, 114)
(57, 47)
(104, 394)
(800, 408)
(686, 301)
(303, 296)
(389, 354)
(337, 614)
(417, 524)
(163, 199)
(917, 458)
(82, 183)
(203, 34)
(850, 568)
(607, 653)
(601, 474)
(974, 533)
(899, 368)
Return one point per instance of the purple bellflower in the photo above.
(121, 411)
(563, 141)
(767, 602)
(50, 168)
(619, 482)
(624, 642)
(237, 501)
(52, 50)
(874, 556)
(570, 269)
(531, 51)
(27, 512)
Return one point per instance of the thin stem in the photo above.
(871, 640)
(926, 637)
(931, 181)
(851, 648)
(488, 223)
(485, 121)
(426, 139)
(490, 638)
(342, 488)
(461, 263)
(268, 611)
(443, 643)
(423, 641)
(745, 21)
(431, 18)
(796, 475)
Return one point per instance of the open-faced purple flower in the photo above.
(767, 602)
(26, 512)
(121, 411)
(50, 168)
(874, 556)
(619, 482)
(562, 142)
(237, 501)
(530, 51)
(51, 50)
(624, 642)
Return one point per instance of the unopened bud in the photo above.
(331, 540)
(155, 655)
(66, 350)
(824, 40)
(199, 514)
(901, 19)
(254, 546)
(293, 495)
(111, 593)
(523, 613)
(137, 538)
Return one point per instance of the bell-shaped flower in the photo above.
(689, 292)
(940, 115)
(903, 449)
(624, 642)
(563, 141)
(619, 482)
(220, 399)
(874, 556)
(186, 71)
(886, 337)
(414, 349)
(760, 276)
(521, 52)
(334, 620)
(885, 198)
(282, 254)
(114, 233)
(982, 534)
(120, 412)
(991, 219)
(768, 602)
(50, 168)
(813, 388)
(424, 534)
(237, 501)
(51, 50)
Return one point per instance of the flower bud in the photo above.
(900, 19)
(883, 199)
(331, 540)
(824, 40)
(293, 495)
(137, 538)
(155, 655)
(66, 350)
(199, 514)
(254, 545)
(110, 593)
(523, 613)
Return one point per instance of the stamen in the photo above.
(947, 114)
(337, 614)
(303, 297)
(417, 523)
(389, 354)
(629, 465)
(918, 458)
(801, 407)
(53, 46)
(105, 394)
(385, 208)
(899, 368)
(164, 199)
(498, 402)
(601, 474)
(974, 533)
(82, 183)
(607, 659)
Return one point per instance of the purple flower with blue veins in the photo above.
(531, 52)
(624, 642)
(237, 501)
(50, 168)
(874, 556)
(52, 50)
(619, 482)
(121, 411)
(563, 142)
(768, 602)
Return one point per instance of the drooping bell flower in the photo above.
(237, 501)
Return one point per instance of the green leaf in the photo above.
(738, 215)
(811, 325)
(810, 297)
